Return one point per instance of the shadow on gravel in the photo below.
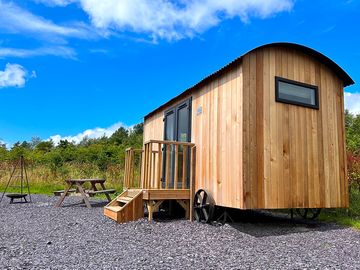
(93, 204)
(264, 223)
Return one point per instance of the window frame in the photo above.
(286, 101)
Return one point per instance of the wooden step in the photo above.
(133, 192)
(124, 199)
(128, 206)
(114, 208)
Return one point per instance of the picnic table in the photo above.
(85, 194)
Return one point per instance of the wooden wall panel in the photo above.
(295, 155)
(216, 131)
(217, 135)
(254, 152)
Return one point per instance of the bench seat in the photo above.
(59, 192)
(104, 191)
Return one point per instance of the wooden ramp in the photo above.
(128, 206)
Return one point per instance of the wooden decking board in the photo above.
(166, 194)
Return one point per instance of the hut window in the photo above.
(296, 93)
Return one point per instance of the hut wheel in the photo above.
(308, 213)
(203, 206)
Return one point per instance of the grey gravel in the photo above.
(40, 236)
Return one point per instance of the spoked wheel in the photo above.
(203, 206)
(308, 213)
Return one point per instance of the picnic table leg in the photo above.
(82, 192)
(62, 197)
(106, 194)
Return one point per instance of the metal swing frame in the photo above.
(23, 179)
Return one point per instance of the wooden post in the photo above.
(149, 165)
(159, 172)
(150, 210)
(145, 166)
(131, 173)
(176, 166)
(167, 166)
(184, 172)
(139, 185)
(125, 169)
(192, 181)
(153, 179)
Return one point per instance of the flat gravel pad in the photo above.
(39, 236)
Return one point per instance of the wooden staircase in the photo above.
(128, 206)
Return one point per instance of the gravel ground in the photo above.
(40, 236)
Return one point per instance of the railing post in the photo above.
(184, 172)
(125, 170)
(145, 166)
(167, 166)
(150, 165)
(192, 179)
(132, 167)
(159, 172)
(176, 169)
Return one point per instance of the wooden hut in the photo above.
(264, 132)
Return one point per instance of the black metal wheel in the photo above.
(203, 206)
(308, 213)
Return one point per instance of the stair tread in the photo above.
(133, 193)
(114, 208)
(124, 199)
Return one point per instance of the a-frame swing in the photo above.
(19, 173)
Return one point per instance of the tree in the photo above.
(45, 146)
(34, 142)
(63, 144)
(138, 129)
(119, 136)
(352, 125)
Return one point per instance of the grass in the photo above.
(347, 217)
(43, 180)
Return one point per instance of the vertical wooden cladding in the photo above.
(293, 156)
(216, 132)
(253, 152)
(217, 135)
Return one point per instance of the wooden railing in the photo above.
(160, 165)
(133, 165)
(168, 165)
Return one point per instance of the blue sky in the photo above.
(71, 68)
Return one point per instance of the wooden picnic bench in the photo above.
(79, 185)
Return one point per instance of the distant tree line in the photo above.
(101, 152)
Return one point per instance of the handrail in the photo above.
(163, 165)
(170, 142)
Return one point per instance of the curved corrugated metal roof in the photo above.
(319, 56)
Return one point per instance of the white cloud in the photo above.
(169, 19)
(352, 102)
(14, 75)
(61, 51)
(61, 3)
(89, 133)
(14, 19)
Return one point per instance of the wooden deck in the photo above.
(151, 178)
(166, 194)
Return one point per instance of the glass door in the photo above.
(177, 127)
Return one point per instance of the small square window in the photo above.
(296, 93)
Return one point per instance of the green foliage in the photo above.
(102, 157)
(352, 125)
(347, 217)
